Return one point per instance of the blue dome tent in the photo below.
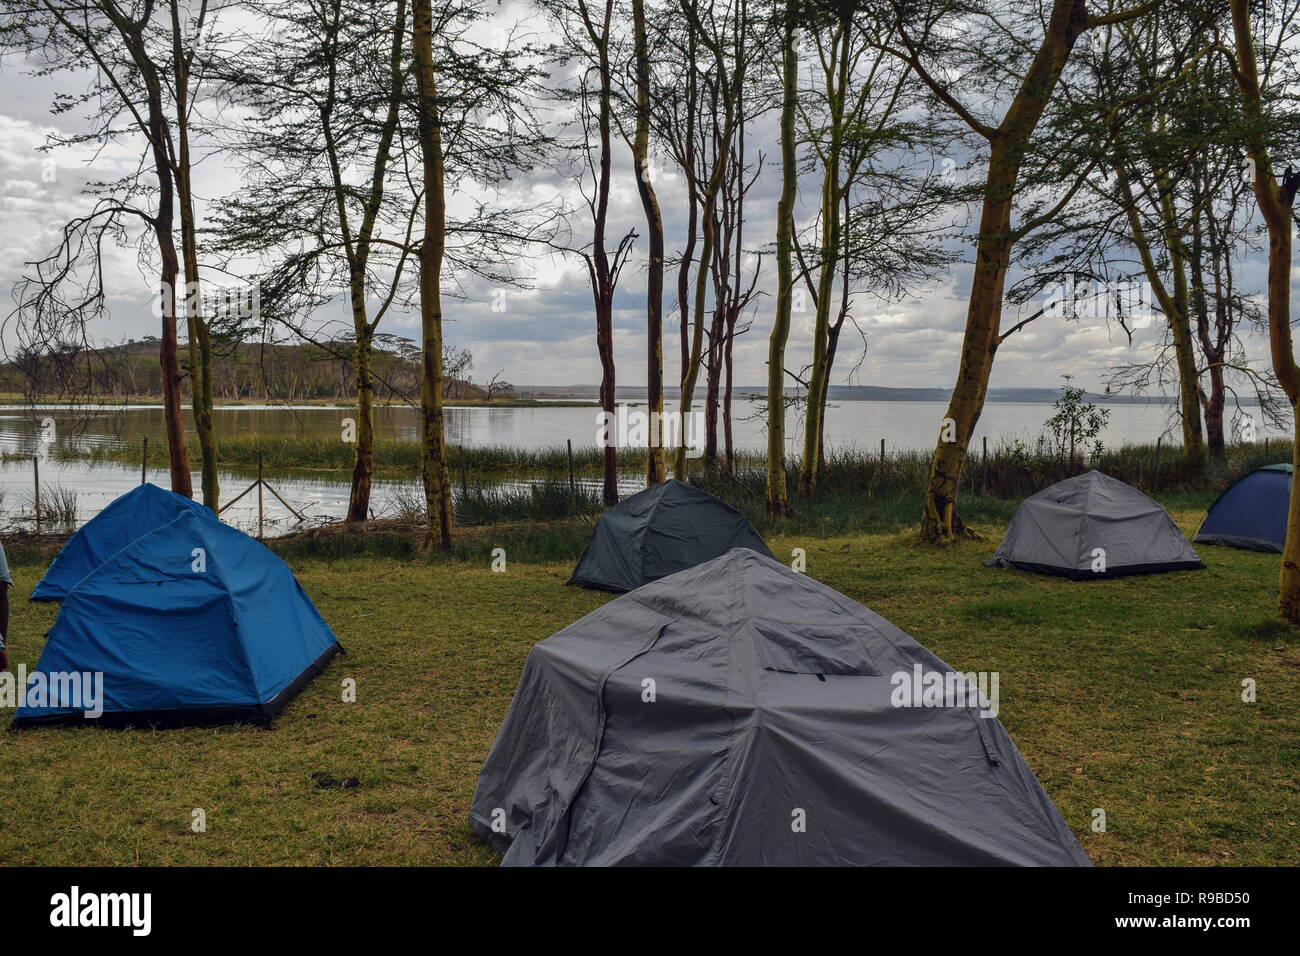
(192, 623)
(135, 513)
(1251, 514)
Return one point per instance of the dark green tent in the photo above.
(667, 528)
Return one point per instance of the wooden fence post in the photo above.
(573, 485)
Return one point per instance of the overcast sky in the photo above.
(545, 336)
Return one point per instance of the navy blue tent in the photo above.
(135, 513)
(193, 623)
(1251, 514)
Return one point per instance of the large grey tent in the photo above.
(741, 714)
(1093, 526)
(667, 528)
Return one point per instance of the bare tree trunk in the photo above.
(132, 33)
(602, 273)
(713, 376)
(363, 468)
(778, 500)
(656, 465)
(692, 220)
(358, 253)
(837, 81)
(200, 343)
(730, 84)
(178, 453)
(691, 371)
(1213, 401)
(1276, 201)
(728, 444)
(437, 491)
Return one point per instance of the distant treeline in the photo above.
(242, 371)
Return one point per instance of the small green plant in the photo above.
(1077, 422)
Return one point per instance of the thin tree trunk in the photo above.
(437, 491)
(837, 80)
(728, 444)
(363, 468)
(132, 33)
(1213, 402)
(602, 277)
(777, 497)
(358, 253)
(692, 215)
(713, 376)
(691, 371)
(1275, 201)
(656, 464)
(200, 343)
(177, 451)
(1174, 303)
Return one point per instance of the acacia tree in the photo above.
(721, 32)
(437, 489)
(320, 138)
(1157, 217)
(873, 233)
(733, 294)
(656, 466)
(1153, 161)
(588, 30)
(1258, 79)
(1025, 76)
(332, 190)
(777, 497)
(132, 51)
(1219, 237)
(187, 25)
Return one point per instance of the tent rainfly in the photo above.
(667, 528)
(1251, 514)
(741, 714)
(139, 511)
(1093, 526)
(192, 623)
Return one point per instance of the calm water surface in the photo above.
(849, 426)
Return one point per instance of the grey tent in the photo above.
(667, 528)
(741, 714)
(1093, 526)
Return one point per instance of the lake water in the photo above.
(849, 425)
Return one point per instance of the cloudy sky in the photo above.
(544, 336)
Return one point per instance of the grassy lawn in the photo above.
(1122, 695)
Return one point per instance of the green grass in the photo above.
(1122, 694)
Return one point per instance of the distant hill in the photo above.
(849, 393)
(243, 371)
